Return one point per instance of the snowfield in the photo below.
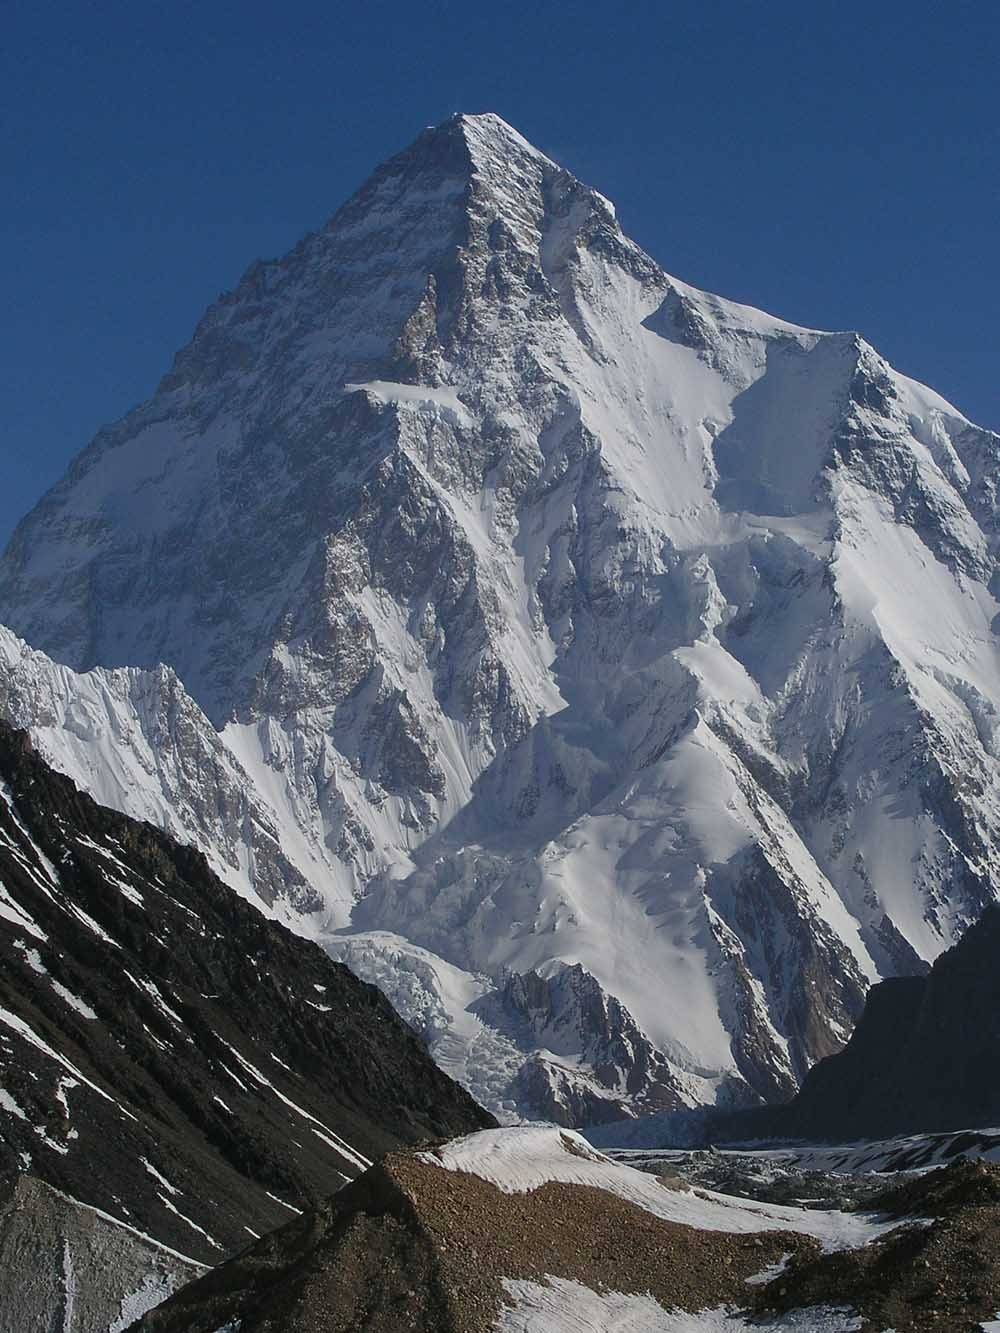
(559, 1306)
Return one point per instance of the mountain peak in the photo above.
(464, 149)
(429, 185)
(488, 133)
(481, 130)
(564, 599)
(475, 136)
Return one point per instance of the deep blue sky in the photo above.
(836, 163)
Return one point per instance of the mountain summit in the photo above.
(605, 669)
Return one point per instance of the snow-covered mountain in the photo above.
(612, 666)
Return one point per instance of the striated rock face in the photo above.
(525, 609)
(169, 1057)
(67, 1266)
(591, 1063)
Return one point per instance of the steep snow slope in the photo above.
(620, 657)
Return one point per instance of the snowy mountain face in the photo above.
(604, 668)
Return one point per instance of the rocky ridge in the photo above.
(923, 1058)
(186, 1070)
(484, 1236)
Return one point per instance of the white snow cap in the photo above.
(487, 128)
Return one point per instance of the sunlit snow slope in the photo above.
(612, 665)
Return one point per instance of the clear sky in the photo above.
(835, 163)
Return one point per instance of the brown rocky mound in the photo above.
(410, 1246)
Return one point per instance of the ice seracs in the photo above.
(566, 623)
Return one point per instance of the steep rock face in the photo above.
(67, 1266)
(169, 1056)
(558, 614)
(569, 1021)
(923, 1058)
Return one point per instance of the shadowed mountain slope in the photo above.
(167, 1055)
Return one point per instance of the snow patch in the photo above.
(560, 1306)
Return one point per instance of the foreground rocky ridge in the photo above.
(168, 1057)
(612, 666)
(517, 1229)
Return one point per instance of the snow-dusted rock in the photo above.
(136, 741)
(552, 614)
(168, 1056)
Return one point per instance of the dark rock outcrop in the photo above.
(925, 1055)
(167, 1054)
